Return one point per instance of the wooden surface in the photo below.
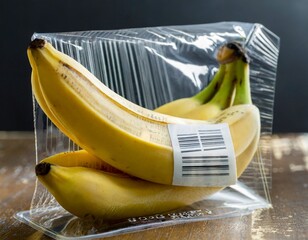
(288, 219)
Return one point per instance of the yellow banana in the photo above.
(84, 185)
(80, 158)
(126, 136)
(86, 191)
(42, 103)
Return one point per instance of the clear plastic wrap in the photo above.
(152, 66)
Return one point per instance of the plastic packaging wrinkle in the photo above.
(152, 66)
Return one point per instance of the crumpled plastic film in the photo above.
(152, 66)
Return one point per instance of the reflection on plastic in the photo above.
(64, 225)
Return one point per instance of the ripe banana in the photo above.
(84, 185)
(36, 88)
(41, 101)
(126, 136)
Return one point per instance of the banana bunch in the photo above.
(126, 166)
(218, 95)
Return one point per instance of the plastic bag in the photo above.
(152, 66)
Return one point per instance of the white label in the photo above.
(203, 155)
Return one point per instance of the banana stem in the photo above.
(243, 95)
(42, 169)
(227, 54)
(224, 95)
(208, 92)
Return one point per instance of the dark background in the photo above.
(20, 19)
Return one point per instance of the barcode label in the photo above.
(203, 155)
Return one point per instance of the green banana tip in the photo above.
(37, 43)
(42, 169)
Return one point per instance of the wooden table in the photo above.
(288, 219)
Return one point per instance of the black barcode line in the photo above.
(185, 147)
(207, 131)
(189, 144)
(209, 143)
(201, 168)
(214, 148)
(213, 143)
(191, 150)
(204, 161)
(206, 157)
(187, 136)
(204, 174)
(213, 137)
(189, 141)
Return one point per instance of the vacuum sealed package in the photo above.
(149, 127)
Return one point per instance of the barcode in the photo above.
(202, 154)
(212, 139)
(201, 141)
(204, 140)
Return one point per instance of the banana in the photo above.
(243, 94)
(128, 137)
(84, 185)
(222, 98)
(86, 191)
(218, 95)
(80, 158)
(42, 103)
(182, 106)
